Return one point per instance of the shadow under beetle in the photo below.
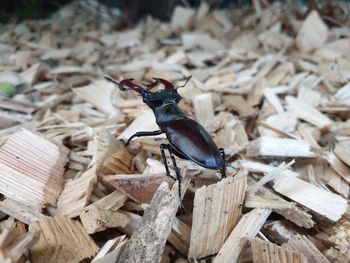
(187, 138)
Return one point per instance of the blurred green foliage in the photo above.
(28, 9)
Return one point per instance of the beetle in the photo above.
(187, 138)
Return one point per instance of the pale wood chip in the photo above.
(32, 169)
(111, 250)
(19, 211)
(61, 240)
(148, 241)
(266, 252)
(323, 202)
(248, 227)
(304, 246)
(267, 146)
(217, 209)
(312, 34)
(76, 194)
(308, 113)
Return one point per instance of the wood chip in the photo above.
(265, 252)
(139, 187)
(312, 34)
(325, 203)
(342, 150)
(148, 241)
(271, 147)
(248, 227)
(308, 113)
(76, 194)
(31, 169)
(19, 211)
(61, 240)
(217, 208)
(304, 246)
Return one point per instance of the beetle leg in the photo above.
(162, 151)
(144, 133)
(223, 168)
(178, 176)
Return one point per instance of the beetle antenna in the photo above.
(112, 80)
(187, 80)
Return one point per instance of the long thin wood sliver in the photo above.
(217, 209)
(148, 241)
(248, 227)
(267, 252)
(270, 176)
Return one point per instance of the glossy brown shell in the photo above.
(192, 141)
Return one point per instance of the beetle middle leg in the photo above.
(223, 167)
(178, 176)
(144, 133)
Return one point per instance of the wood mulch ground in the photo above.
(270, 85)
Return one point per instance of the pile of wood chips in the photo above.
(270, 87)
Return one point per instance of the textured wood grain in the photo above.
(247, 228)
(61, 240)
(267, 252)
(217, 209)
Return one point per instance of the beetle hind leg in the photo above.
(223, 167)
(177, 172)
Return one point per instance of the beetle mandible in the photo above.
(187, 138)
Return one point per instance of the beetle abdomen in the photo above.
(191, 140)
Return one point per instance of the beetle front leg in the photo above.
(223, 167)
(144, 133)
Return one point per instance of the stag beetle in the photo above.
(187, 138)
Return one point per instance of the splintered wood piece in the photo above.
(31, 169)
(338, 166)
(111, 250)
(138, 187)
(19, 211)
(312, 34)
(96, 219)
(270, 176)
(144, 122)
(266, 252)
(119, 162)
(180, 236)
(217, 209)
(182, 17)
(76, 194)
(308, 113)
(13, 247)
(238, 104)
(99, 94)
(265, 198)
(247, 227)
(256, 167)
(148, 240)
(323, 202)
(112, 202)
(337, 183)
(304, 246)
(342, 150)
(271, 147)
(61, 240)
(203, 107)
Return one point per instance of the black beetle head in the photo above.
(168, 95)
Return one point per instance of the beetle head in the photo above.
(168, 95)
